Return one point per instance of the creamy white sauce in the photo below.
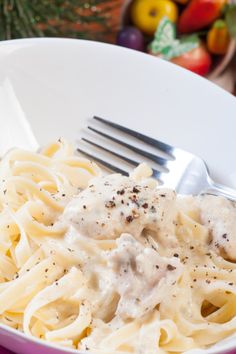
(219, 215)
(141, 276)
(116, 204)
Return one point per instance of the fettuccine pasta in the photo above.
(112, 264)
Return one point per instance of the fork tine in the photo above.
(150, 141)
(159, 160)
(156, 174)
(132, 162)
(104, 163)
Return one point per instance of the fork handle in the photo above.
(221, 190)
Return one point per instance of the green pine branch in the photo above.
(33, 18)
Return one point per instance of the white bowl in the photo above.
(57, 84)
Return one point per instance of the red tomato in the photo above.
(197, 60)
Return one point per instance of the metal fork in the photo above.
(179, 169)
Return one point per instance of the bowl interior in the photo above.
(60, 84)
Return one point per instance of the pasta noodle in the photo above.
(112, 264)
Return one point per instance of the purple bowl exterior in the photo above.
(47, 351)
(20, 344)
(5, 351)
(29, 348)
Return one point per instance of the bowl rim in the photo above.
(113, 47)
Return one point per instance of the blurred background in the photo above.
(199, 35)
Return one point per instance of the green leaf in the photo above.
(178, 49)
(164, 36)
(230, 18)
(192, 38)
(166, 44)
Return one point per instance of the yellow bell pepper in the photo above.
(147, 14)
(218, 38)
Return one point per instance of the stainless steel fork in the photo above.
(178, 169)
